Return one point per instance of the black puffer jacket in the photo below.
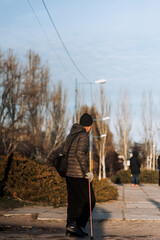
(78, 159)
(135, 163)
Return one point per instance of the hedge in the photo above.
(104, 190)
(146, 176)
(33, 181)
(29, 180)
(149, 176)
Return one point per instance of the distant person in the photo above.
(159, 168)
(135, 165)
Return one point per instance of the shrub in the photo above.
(149, 176)
(122, 176)
(37, 182)
(33, 181)
(104, 191)
(146, 176)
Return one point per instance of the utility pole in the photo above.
(91, 151)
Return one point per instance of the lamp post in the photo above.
(91, 142)
(100, 81)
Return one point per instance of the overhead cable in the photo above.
(75, 65)
(48, 39)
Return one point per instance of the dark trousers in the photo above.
(78, 201)
(159, 177)
(135, 178)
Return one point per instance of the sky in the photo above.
(117, 40)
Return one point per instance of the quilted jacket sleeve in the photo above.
(82, 153)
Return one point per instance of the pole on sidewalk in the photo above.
(91, 151)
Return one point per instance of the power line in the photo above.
(48, 39)
(75, 65)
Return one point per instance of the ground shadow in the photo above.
(157, 204)
(99, 217)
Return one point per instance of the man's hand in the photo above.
(89, 176)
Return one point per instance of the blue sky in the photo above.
(118, 40)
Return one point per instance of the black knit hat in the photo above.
(86, 120)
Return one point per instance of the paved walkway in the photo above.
(134, 203)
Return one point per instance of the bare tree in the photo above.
(32, 117)
(102, 131)
(149, 130)
(10, 109)
(123, 124)
(46, 110)
(80, 103)
(57, 121)
(36, 78)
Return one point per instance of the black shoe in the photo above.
(80, 228)
(85, 233)
(72, 228)
(73, 234)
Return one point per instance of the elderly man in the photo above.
(77, 177)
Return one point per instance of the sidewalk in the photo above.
(134, 203)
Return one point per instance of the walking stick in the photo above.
(90, 209)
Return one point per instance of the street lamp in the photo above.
(100, 81)
(103, 135)
(101, 119)
(100, 136)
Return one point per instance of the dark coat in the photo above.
(135, 164)
(78, 159)
(159, 162)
